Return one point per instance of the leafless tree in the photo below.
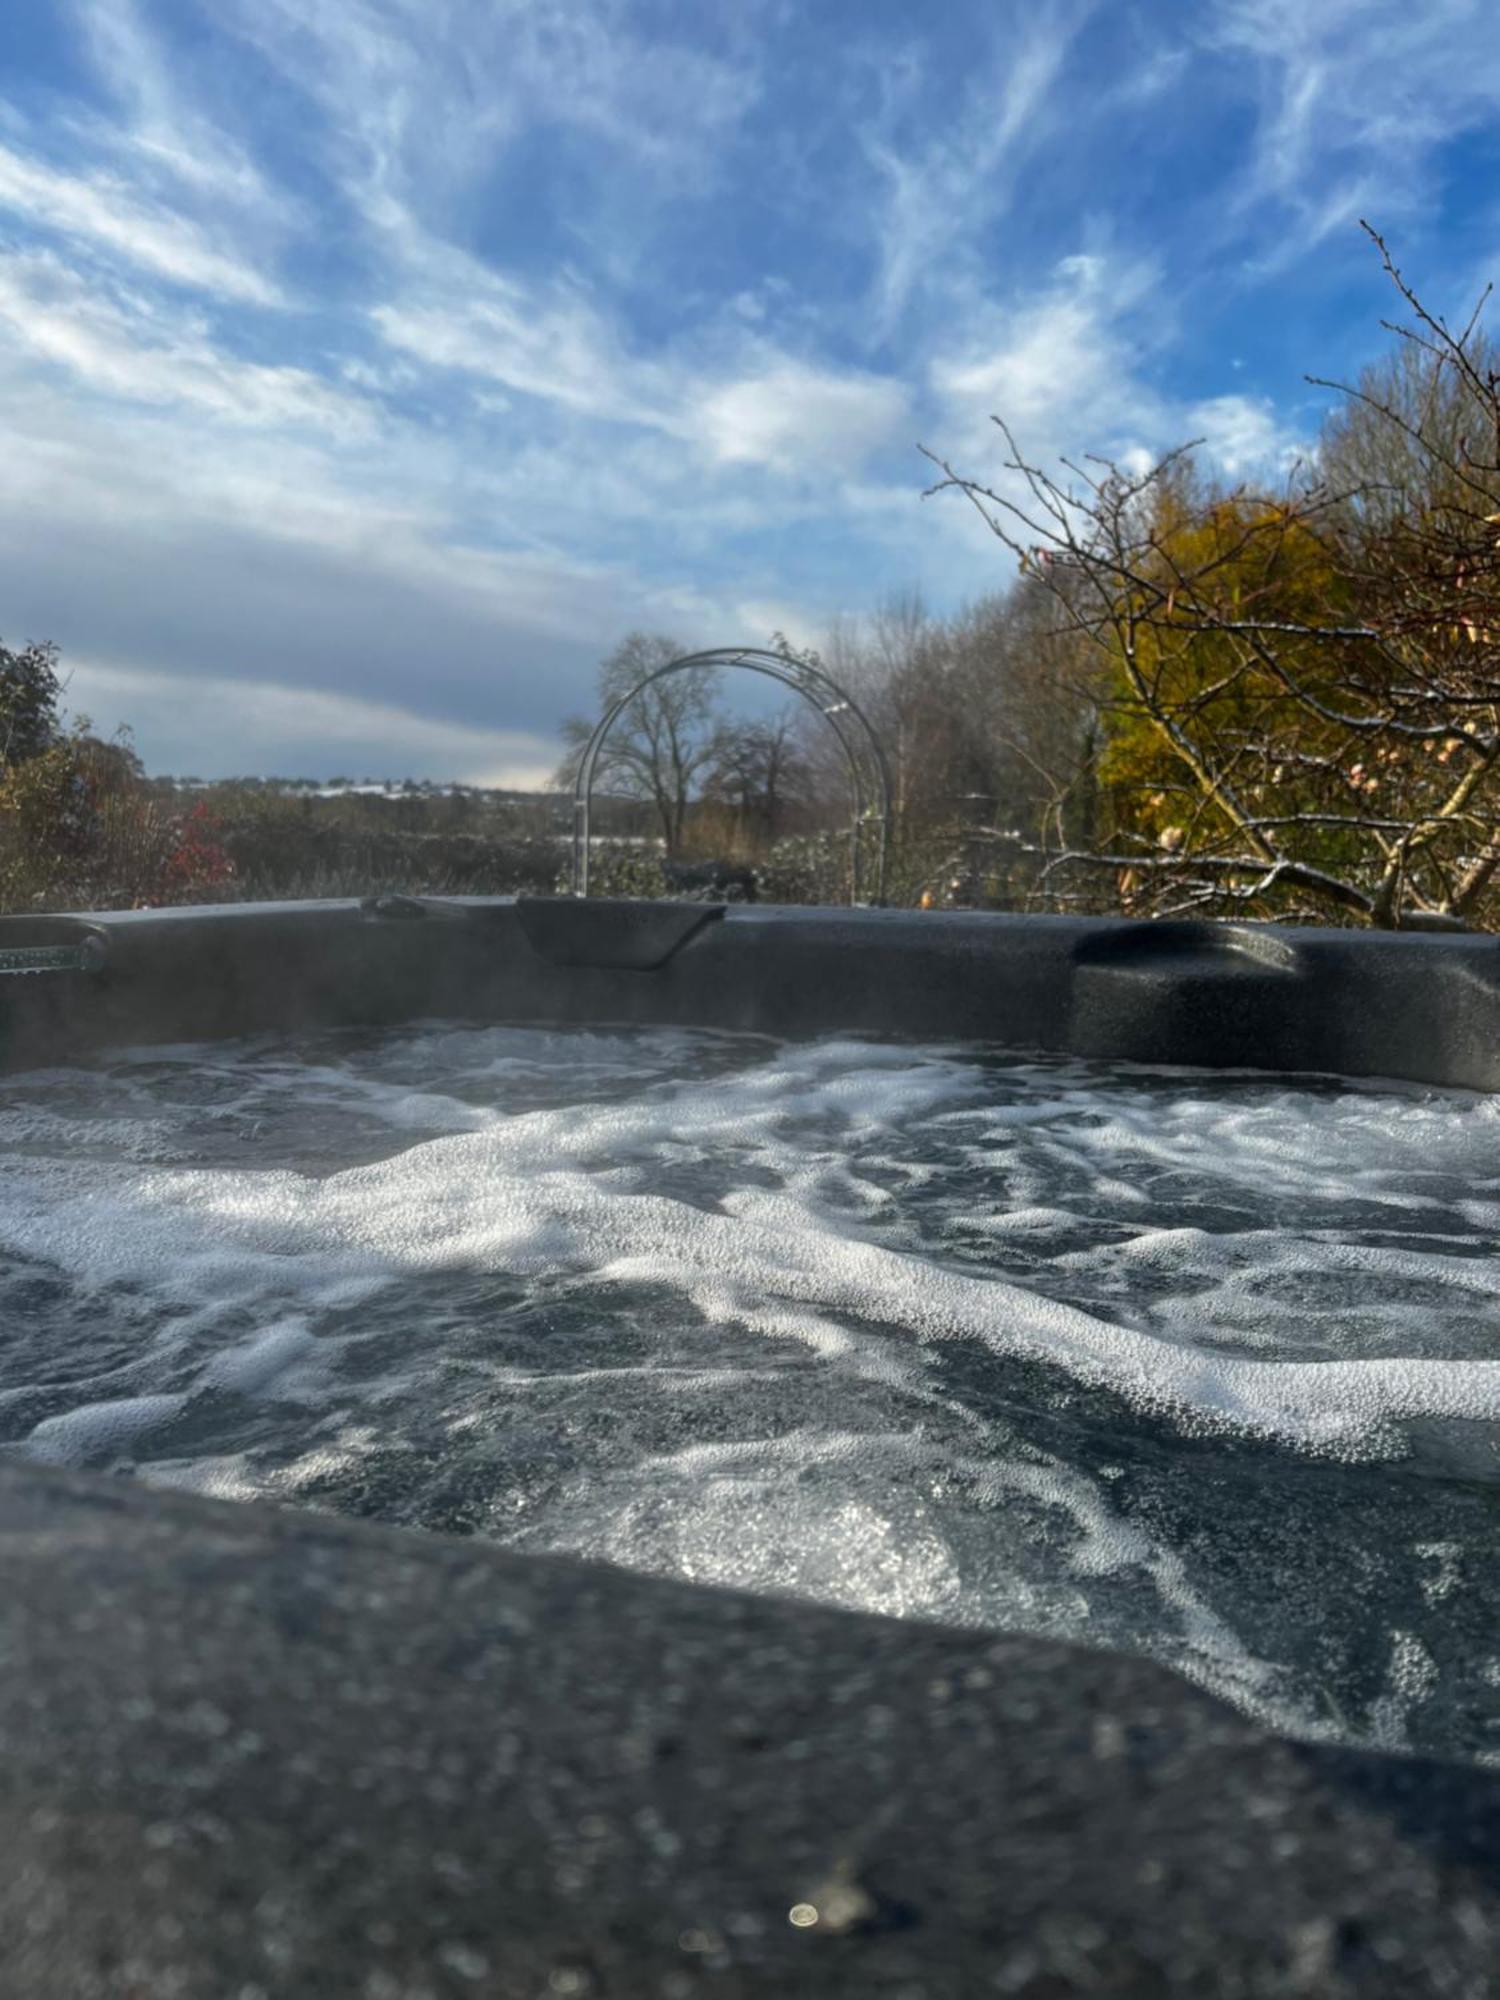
(1308, 680)
(666, 738)
(759, 770)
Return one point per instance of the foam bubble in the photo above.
(1007, 1342)
(98, 1431)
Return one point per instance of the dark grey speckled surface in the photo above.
(253, 1753)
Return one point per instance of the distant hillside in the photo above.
(362, 836)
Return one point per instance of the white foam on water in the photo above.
(754, 1313)
(274, 1357)
(98, 1429)
(540, 1193)
(763, 1518)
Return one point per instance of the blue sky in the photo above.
(370, 366)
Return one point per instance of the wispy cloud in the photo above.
(120, 345)
(942, 188)
(770, 409)
(663, 101)
(560, 349)
(1060, 365)
(406, 351)
(159, 118)
(100, 209)
(1355, 98)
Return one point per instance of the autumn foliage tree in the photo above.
(30, 693)
(1301, 690)
(79, 826)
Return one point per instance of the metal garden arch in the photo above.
(836, 707)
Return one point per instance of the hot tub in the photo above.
(1039, 1284)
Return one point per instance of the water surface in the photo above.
(1204, 1367)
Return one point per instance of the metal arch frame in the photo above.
(815, 687)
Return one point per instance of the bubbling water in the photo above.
(1200, 1367)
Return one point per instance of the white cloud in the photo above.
(1244, 435)
(121, 345)
(1069, 372)
(375, 71)
(560, 349)
(178, 722)
(1062, 368)
(796, 418)
(1355, 96)
(102, 210)
(205, 549)
(510, 412)
(940, 193)
(769, 410)
(160, 125)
